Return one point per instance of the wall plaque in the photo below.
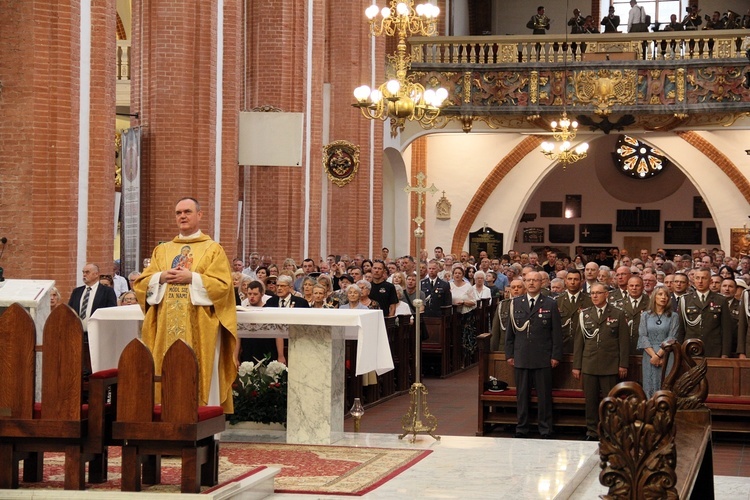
(533, 235)
(683, 232)
(595, 233)
(551, 209)
(712, 236)
(646, 221)
(562, 233)
(700, 209)
(488, 240)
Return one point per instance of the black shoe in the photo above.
(548, 436)
(521, 435)
(590, 438)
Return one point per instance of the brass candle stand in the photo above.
(418, 419)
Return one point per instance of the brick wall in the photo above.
(39, 69)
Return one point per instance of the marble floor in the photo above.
(488, 467)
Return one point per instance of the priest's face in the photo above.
(188, 217)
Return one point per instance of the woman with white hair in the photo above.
(353, 295)
(480, 290)
(402, 308)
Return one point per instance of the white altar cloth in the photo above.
(110, 330)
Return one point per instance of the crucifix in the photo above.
(418, 419)
(420, 189)
(585, 232)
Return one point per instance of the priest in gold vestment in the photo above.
(187, 293)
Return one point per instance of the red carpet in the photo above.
(331, 470)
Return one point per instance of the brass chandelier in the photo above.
(564, 132)
(401, 98)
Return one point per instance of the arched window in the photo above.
(637, 159)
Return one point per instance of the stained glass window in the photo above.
(637, 159)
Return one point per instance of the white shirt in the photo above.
(635, 16)
(120, 285)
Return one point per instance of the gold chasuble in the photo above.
(177, 317)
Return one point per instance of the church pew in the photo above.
(728, 399)
(406, 347)
(179, 426)
(436, 348)
(60, 422)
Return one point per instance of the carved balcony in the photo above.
(652, 81)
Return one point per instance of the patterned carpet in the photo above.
(331, 470)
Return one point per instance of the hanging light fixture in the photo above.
(400, 98)
(564, 130)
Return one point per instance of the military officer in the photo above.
(570, 303)
(705, 315)
(533, 346)
(601, 353)
(500, 323)
(436, 291)
(622, 275)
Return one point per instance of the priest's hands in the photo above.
(177, 276)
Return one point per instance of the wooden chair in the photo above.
(177, 427)
(60, 423)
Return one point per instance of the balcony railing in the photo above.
(661, 45)
(123, 60)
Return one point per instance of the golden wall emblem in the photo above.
(341, 162)
(605, 88)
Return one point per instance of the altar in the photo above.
(315, 403)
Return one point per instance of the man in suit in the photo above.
(436, 291)
(283, 298)
(680, 286)
(590, 274)
(570, 303)
(86, 300)
(705, 315)
(500, 323)
(533, 346)
(633, 305)
(600, 354)
(91, 296)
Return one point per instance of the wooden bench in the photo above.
(176, 427)
(728, 399)
(60, 423)
(499, 408)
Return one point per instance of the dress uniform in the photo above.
(708, 320)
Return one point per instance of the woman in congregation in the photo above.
(319, 297)
(289, 265)
(470, 273)
(273, 270)
(307, 288)
(54, 297)
(465, 301)
(325, 281)
(658, 323)
(364, 299)
(402, 308)
(354, 296)
(398, 278)
(261, 274)
(480, 290)
(127, 298)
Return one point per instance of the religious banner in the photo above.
(131, 198)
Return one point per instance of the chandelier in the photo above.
(401, 98)
(564, 131)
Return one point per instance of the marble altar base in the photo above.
(315, 402)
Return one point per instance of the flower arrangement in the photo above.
(260, 392)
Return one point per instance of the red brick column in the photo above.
(277, 73)
(174, 89)
(39, 138)
(418, 165)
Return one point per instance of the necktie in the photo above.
(635, 304)
(85, 302)
(600, 313)
(433, 284)
(283, 302)
(531, 303)
(703, 298)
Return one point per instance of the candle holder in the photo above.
(356, 411)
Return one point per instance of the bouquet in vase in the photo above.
(260, 392)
